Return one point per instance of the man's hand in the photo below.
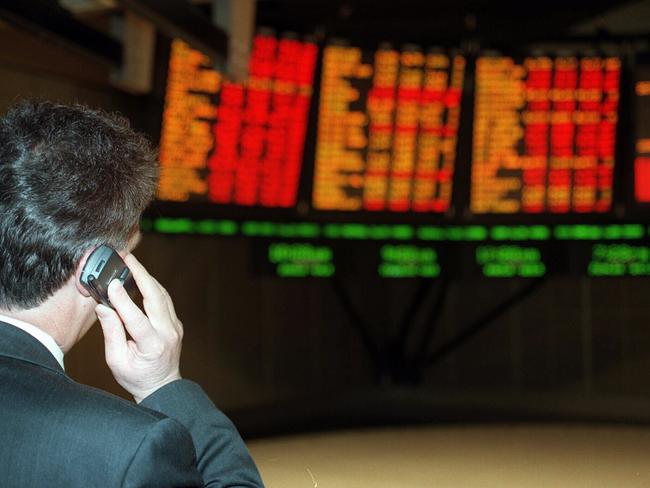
(150, 359)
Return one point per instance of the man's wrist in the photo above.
(141, 395)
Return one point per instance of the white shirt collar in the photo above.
(38, 334)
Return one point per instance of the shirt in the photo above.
(38, 334)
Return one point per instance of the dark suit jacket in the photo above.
(55, 432)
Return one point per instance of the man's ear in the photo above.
(77, 273)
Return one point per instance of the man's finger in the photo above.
(114, 335)
(153, 298)
(132, 317)
(169, 301)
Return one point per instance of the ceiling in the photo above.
(441, 20)
(89, 25)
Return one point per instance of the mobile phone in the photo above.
(103, 266)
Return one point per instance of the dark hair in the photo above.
(71, 178)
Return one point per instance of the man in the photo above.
(71, 179)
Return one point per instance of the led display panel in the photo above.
(232, 143)
(642, 142)
(387, 129)
(544, 134)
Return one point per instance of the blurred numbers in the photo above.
(387, 129)
(642, 160)
(186, 137)
(231, 143)
(544, 134)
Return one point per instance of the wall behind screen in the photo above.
(254, 340)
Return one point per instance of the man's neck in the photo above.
(60, 316)
(36, 318)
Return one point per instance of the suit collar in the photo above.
(18, 344)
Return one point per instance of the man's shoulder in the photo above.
(94, 401)
(115, 438)
(55, 394)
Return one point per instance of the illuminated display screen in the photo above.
(642, 143)
(386, 135)
(309, 249)
(229, 143)
(509, 261)
(544, 134)
(619, 260)
(387, 129)
(300, 260)
(399, 232)
(407, 261)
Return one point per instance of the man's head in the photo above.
(71, 178)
